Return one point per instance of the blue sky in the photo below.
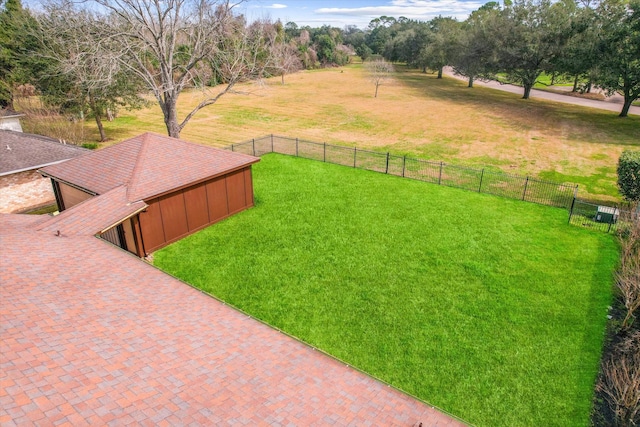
(316, 13)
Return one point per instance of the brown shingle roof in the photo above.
(148, 165)
(94, 215)
(22, 151)
(92, 335)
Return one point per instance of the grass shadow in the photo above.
(576, 122)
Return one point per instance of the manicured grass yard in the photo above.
(489, 308)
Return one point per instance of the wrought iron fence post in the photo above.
(387, 168)
(481, 177)
(355, 153)
(232, 147)
(524, 193)
(296, 147)
(272, 143)
(404, 163)
(324, 153)
(573, 202)
(253, 146)
(440, 175)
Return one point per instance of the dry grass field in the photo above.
(414, 114)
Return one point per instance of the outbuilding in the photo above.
(149, 191)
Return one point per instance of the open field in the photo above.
(414, 114)
(492, 309)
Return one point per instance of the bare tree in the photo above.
(84, 72)
(285, 59)
(173, 45)
(379, 71)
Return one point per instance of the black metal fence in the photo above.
(478, 180)
(596, 217)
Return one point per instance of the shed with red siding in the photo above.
(170, 189)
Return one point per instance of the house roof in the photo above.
(148, 165)
(122, 342)
(94, 215)
(22, 151)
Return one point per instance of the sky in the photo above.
(316, 13)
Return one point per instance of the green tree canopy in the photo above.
(618, 68)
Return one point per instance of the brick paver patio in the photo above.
(94, 336)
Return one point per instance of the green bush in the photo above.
(90, 145)
(629, 175)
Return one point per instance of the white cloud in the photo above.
(277, 6)
(412, 9)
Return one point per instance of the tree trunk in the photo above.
(103, 136)
(575, 84)
(625, 107)
(97, 113)
(376, 95)
(440, 73)
(424, 70)
(470, 82)
(171, 116)
(589, 87)
(553, 78)
(527, 91)
(282, 78)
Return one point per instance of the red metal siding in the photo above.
(236, 191)
(174, 216)
(170, 217)
(248, 187)
(151, 227)
(72, 196)
(195, 199)
(217, 199)
(129, 236)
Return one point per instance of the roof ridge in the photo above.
(134, 178)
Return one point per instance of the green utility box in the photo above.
(607, 214)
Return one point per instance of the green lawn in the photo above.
(492, 309)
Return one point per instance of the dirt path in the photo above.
(613, 103)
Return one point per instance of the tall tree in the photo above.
(15, 47)
(618, 69)
(580, 54)
(173, 45)
(531, 34)
(476, 56)
(442, 45)
(84, 72)
(380, 33)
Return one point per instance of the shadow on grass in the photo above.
(578, 123)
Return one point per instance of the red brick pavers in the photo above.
(94, 336)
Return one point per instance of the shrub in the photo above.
(629, 175)
(620, 383)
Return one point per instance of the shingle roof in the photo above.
(22, 151)
(92, 335)
(148, 165)
(94, 215)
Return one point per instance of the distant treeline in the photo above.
(591, 43)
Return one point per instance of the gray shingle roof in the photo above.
(22, 151)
